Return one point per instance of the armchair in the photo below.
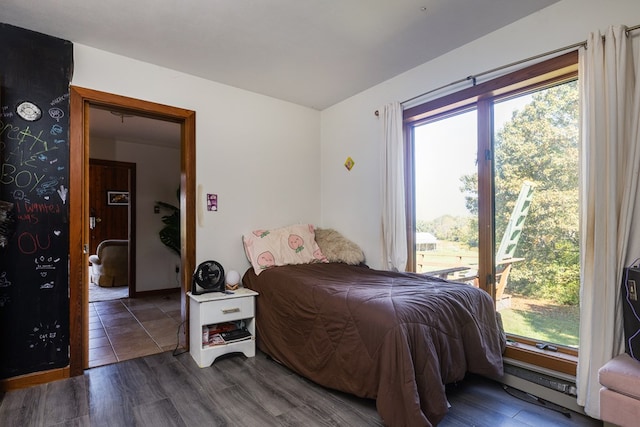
(110, 265)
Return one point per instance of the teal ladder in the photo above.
(516, 223)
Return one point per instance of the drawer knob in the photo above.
(230, 310)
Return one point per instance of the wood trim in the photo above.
(410, 196)
(486, 239)
(80, 101)
(544, 73)
(562, 350)
(36, 378)
(133, 196)
(78, 216)
(188, 213)
(555, 361)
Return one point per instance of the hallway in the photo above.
(129, 328)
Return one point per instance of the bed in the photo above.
(397, 338)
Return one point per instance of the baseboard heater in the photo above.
(552, 386)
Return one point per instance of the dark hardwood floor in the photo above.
(163, 390)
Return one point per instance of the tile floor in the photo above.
(129, 328)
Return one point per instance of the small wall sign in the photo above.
(212, 202)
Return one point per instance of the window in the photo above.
(493, 199)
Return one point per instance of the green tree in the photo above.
(423, 226)
(452, 228)
(540, 144)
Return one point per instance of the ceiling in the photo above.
(313, 53)
(114, 125)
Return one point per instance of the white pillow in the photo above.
(295, 244)
(338, 248)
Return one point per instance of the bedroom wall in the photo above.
(351, 200)
(157, 178)
(258, 154)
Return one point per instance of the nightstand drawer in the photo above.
(227, 310)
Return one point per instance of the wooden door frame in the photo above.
(131, 217)
(80, 101)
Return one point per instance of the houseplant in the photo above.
(170, 233)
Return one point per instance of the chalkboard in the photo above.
(35, 71)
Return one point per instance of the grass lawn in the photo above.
(542, 320)
(536, 319)
(448, 254)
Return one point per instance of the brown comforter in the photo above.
(394, 337)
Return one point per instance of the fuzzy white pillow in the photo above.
(338, 248)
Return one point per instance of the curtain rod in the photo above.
(531, 58)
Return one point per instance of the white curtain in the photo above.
(610, 159)
(394, 230)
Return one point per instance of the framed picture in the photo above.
(118, 197)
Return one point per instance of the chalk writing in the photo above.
(23, 136)
(56, 130)
(29, 212)
(56, 113)
(62, 192)
(4, 282)
(30, 243)
(47, 187)
(46, 263)
(45, 208)
(46, 335)
(28, 218)
(6, 112)
(9, 174)
(60, 99)
(23, 150)
(44, 266)
(4, 299)
(19, 195)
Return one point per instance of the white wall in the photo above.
(259, 154)
(157, 178)
(351, 200)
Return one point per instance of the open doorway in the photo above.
(134, 169)
(112, 228)
(134, 298)
(81, 102)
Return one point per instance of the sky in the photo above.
(445, 151)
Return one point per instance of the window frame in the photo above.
(551, 72)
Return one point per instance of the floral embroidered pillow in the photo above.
(295, 244)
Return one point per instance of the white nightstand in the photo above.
(214, 308)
